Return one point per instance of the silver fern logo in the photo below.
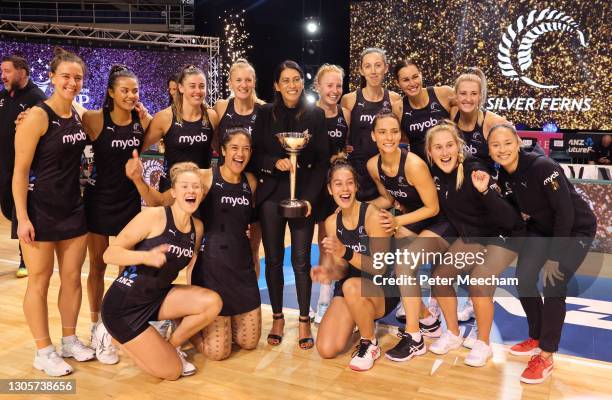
(523, 33)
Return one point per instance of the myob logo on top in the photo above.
(515, 58)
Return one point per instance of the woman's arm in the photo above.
(27, 136)
(93, 123)
(384, 200)
(149, 222)
(152, 197)
(446, 95)
(158, 127)
(418, 174)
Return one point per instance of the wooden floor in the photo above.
(285, 372)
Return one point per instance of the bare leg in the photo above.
(364, 310)
(96, 244)
(336, 329)
(154, 355)
(70, 257)
(38, 256)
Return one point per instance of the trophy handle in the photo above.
(292, 173)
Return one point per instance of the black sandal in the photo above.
(273, 339)
(306, 343)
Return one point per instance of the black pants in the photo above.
(273, 237)
(545, 317)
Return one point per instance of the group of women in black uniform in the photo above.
(458, 187)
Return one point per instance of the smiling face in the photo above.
(237, 152)
(343, 187)
(193, 89)
(172, 87)
(387, 134)
(410, 80)
(373, 68)
(444, 150)
(125, 93)
(468, 96)
(504, 147)
(187, 191)
(67, 80)
(329, 87)
(242, 82)
(290, 85)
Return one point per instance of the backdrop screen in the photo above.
(151, 67)
(546, 61)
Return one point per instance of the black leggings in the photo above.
(545, 318)
(273, 238)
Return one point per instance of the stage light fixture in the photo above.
(311, 98)
(312, 27)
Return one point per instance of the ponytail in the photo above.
(177, 103)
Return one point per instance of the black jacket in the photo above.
(313, 160)
(471, 213)
(543, 193)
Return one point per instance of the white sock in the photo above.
(429, 320)
(69, 339)
(416, 336)
(46, 350)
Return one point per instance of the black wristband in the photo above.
(348, 254)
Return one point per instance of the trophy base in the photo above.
(293, 208)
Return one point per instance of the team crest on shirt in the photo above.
(137, 127)
(477, 137)
(246, 188)
(128, 276)
(1, 103)
(254, 117)
(435, 107)
(437, 183)
(401, 181)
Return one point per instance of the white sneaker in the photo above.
(76, 349)
(52, 364)
(447, 342)
(365, 355)
(188, 368)
(106, 352)
(471, 338)
(479, 355)
(467, 312)
(400, 313)
(321, 310)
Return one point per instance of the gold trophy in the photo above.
(293, 143)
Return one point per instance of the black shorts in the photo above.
(439, 225)
(125, 316)
(390, 301)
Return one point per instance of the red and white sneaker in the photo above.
(538, 369)
(528, 347)
(365, 355)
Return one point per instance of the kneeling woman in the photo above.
(350, 247)
(225, 263)
(156, 245)
(484, 222)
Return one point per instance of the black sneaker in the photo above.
(406, 348)
(433, 331)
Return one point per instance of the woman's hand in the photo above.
(156, 257)
(133, 167)
(333, 246)
(142, 111)
(321, 274)
(551, 273)
(25, 231)
(21, 116)
(283, 164)
(387, 221)
(480, 180)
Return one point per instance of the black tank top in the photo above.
(231, 119)
(362, 116)
(226, 210)
(188, 141)
(147, 281)
(112, 149)
(475, 142)
(398, 186)
(357, 239)
(416, 121)
(337, 130)
(54, 173)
